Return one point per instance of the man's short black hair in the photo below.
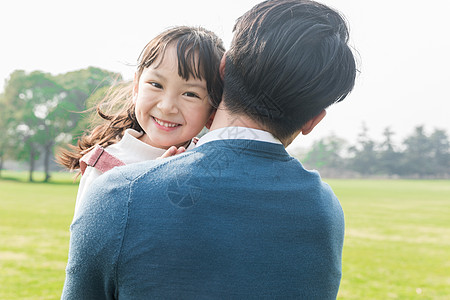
(289, 60)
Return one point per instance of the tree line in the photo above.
(420, 155)
(40, 112)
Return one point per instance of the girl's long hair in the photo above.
(199, 53)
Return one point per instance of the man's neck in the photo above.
(224, 118)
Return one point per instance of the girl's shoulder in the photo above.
(100, 159)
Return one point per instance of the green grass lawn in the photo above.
(397, 240)
(34, 236)
(397, 243)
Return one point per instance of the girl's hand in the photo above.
(172, 151)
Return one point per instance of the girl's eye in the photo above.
(190, 94)
(156, 85)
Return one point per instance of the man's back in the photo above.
(238, 219)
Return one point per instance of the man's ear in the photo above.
(222, 66)
(135, 87)
(309, 126)
(210, 120)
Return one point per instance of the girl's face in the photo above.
(170, 110)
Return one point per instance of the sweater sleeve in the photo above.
(96, 239)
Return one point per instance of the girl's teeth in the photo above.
(165, 124)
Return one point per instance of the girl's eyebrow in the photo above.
(155, 73)
(196, 85)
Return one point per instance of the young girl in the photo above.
(175, 90)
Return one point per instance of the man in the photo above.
(236, 217)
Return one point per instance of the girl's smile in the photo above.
(165, 125)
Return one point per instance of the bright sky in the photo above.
(403, 45)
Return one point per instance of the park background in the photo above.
(390, 135)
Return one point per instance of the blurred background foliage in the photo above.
(40, 112)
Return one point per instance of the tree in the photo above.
(364, 160)
(6, 142)
(389, 158)
(62, 121)
(32, 98)
(326, 153)
(418, 154)
(440, 146)
(84, 87)
(46, 109)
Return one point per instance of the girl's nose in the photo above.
(168, 104)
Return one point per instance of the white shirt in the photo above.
(129, 150)
(238, 133)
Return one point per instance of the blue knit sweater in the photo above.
(232, 219)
